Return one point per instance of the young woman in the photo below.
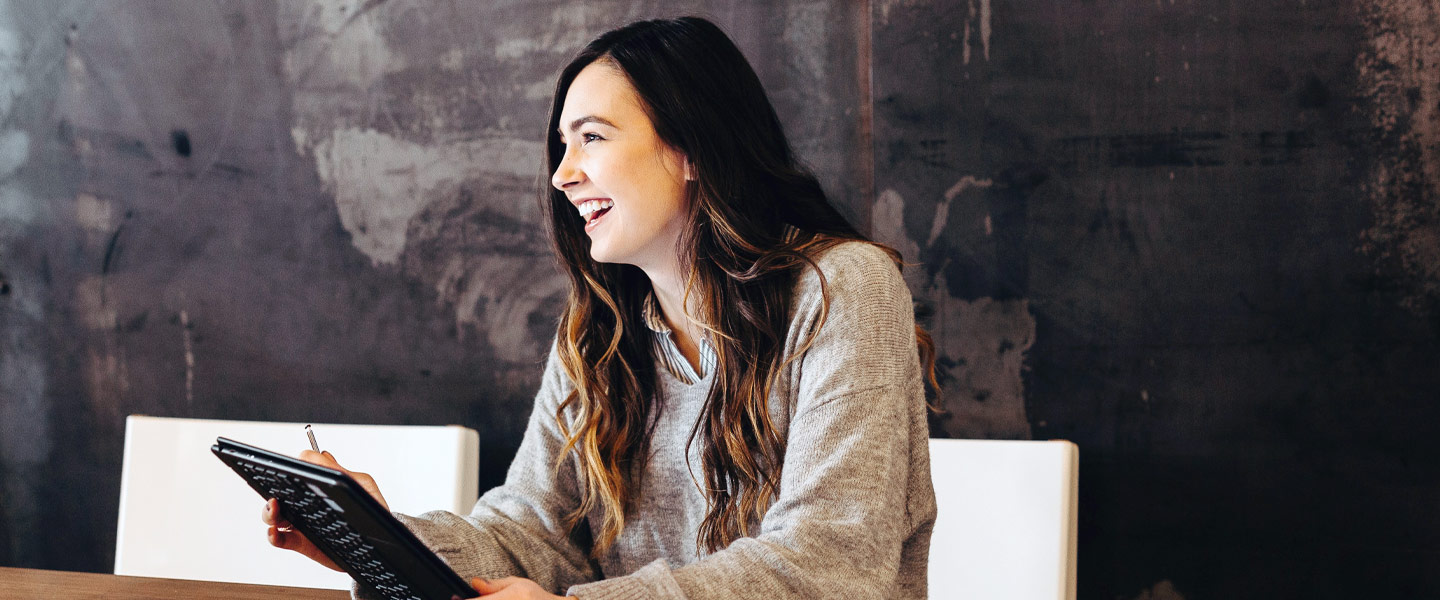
(733, 405)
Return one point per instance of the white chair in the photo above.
(1007, 519)
(185, 515)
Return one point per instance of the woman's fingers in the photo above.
(490, 586)
(270, 514)
(267, 512)
(281, 535)
(325, 459)
(294, 540)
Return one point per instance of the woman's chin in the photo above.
(600, 253)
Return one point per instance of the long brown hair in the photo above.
(756, 220)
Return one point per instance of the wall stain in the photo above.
(483, 262)
(180, 141)
(1401, 82)
(188, 344)
(422, 187)
(982, 19)
(1186, 149)
(981, 343)
(380, 182)
(942, 212)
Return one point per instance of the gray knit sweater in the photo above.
(855, 509)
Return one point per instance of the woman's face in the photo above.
(616, 166)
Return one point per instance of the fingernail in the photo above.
(327, 454)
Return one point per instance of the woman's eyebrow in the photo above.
(589, 119)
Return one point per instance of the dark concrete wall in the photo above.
(1199, 238)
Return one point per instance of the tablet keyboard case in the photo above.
(347, 524)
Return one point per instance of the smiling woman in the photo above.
(733, 406)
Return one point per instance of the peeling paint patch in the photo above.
(1398, 76)
(981, 17)
(380, 182)
(14, 151)
(965, 183)
(977, 20)
(94, 311)
(106, 379)
(430, 183)
(981, 344)
(985, 27)
(806, 34)
(188, 343)
(887, 222)
(480, 257)
(335, 41)
(885, 6)
(16, 206)
(942, 212)
(571, 27)
(336, 60)
(12, 67)
(301, 139)
(498, 295)
(93, 213)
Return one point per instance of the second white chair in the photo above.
(1006, 528)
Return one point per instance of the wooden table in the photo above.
(31, 584)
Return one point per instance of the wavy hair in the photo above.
(756, 219)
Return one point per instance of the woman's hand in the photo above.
(512, 588)
(282, 535)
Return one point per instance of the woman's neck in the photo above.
(669, 286)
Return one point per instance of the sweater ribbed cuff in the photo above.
(619, 588)
(652, 582)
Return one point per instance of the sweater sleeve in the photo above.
(841, 519)
(517, 529)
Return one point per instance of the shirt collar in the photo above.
(652, 316)
(667, 351)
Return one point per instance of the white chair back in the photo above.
(185, 515)
(1006, 526)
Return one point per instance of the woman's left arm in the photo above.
(855, 487)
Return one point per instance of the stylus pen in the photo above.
(311, 434)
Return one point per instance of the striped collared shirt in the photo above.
(669, 352)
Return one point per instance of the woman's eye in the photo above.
(590, 137)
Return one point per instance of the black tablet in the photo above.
(347, 524)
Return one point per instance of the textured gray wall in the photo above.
(1199, 238)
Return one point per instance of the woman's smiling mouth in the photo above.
(592, 210)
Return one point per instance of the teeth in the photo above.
(591, 207)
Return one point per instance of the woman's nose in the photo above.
(566, 174)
